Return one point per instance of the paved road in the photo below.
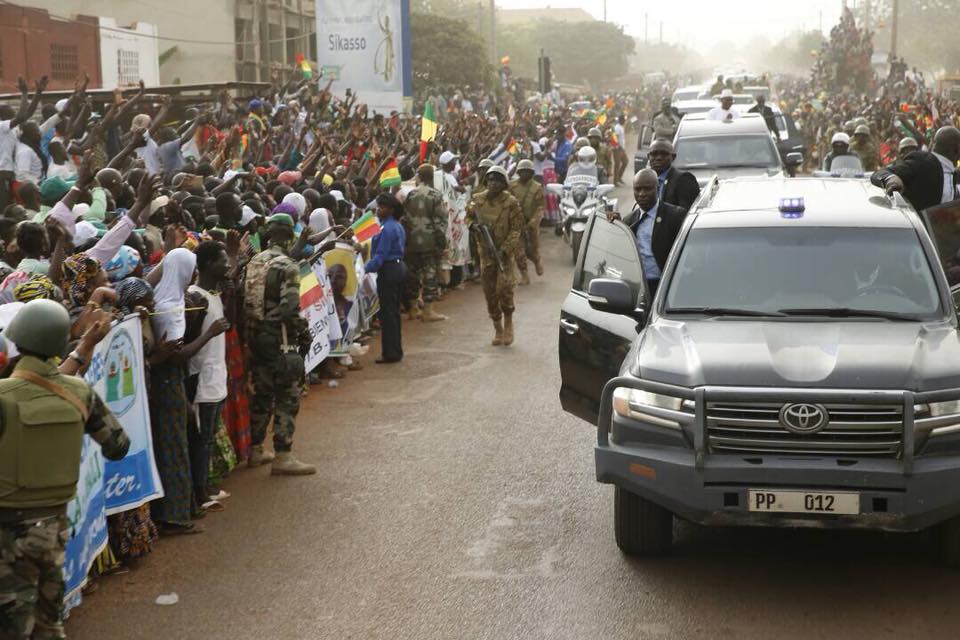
(456, 500)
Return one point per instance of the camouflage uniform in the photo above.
(425, 221)
(605, 159)
(531, 199)
(33, 522)
(868, 152)
(503, 216)
(277, 367)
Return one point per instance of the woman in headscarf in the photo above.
(84, 284)
(168, 400)
(133, 532)
(126, 263)
(39, 287)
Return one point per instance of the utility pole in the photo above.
(646, 23)
(661, 32)
(894, 24)
(493, 33)
(604, 10)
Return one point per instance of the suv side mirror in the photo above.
(794, 159)
(612, 296)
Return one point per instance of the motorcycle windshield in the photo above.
(580, 175)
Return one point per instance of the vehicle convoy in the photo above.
(742, 147)
(798, 367)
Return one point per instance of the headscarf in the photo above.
(131, 291)
(320, 220)
(298, 202)
(85, 231)
(287, 208)
(123, 264)
(36, 288)
(178, 266)
(79, 269)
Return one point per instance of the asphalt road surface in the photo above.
(455, 499)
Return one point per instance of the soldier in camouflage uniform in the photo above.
(39, 471)
(529, 194)
(604, 155)
(863, 145)
(476, 197)
(425, 222)
(499, 211)
(277, 343)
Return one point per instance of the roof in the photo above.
(515, 16)
(697, 124)
(829, 202)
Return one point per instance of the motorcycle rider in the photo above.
(585, 169)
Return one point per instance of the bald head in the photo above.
(645, 188)
(660, 155)
(947, 143)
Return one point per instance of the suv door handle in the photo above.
(570, 327)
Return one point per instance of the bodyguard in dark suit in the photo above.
(655, 225)
(679, 188)
(925, 178)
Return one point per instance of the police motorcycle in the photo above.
(581, 196)
(848, 166)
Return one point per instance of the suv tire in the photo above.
(949, 539)
(642, 527)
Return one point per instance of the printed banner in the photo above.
(344, 285)
(316, 300)
(364, 46)
(106, 487)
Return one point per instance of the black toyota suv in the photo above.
(799, 365)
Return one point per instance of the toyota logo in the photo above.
(803, 418)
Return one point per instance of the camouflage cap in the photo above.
(281, 218)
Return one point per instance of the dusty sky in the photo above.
(700, 24)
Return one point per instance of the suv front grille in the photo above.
(853, 430)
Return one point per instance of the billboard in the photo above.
(364, 46)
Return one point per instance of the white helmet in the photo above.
(587, 155)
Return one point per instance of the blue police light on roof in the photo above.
(792, 207)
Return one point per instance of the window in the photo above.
(611, 253)
(63, 62)
(726, 151)
(128, 67)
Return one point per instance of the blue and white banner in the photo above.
(364, 45)
(105, 487)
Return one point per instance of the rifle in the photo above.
(491, 247)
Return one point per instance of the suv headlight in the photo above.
(630, 403)
(937, 410)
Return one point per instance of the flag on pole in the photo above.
(365, 227)
(428, 129)
(390, 176)
(304, 66)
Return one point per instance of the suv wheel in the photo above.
(949, 539)
(642, 527)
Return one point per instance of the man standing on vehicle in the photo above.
(666, 121)
(654, 224)
(726, 112)
(768, 115)
(926, 178)
(679, 188)
(499, 212)
(529, 194)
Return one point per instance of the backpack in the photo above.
(255, 287)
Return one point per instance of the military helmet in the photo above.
(861, 121)
(580, 144)
(486, 163)
(849, 125)
(496, 169)
(41, 327)
(525, 165)
(594, 132)
(862, 128)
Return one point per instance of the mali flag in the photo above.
(512, 147)
(365, 227)
(310, 290)
(428, 129)
(390, 177)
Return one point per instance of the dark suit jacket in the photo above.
(681, 189)
(666, 226)
(922, 176)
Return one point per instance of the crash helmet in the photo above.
(587, 155)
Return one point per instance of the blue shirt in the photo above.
(387, 245)
(651, 270)
(661, 183)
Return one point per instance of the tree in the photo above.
(446, 52)
(926, 33)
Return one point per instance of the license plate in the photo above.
(777, 501)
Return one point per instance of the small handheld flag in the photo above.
(390, 177)
(365, 227)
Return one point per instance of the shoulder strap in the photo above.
(53, 388)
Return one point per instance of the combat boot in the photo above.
(287, 465)
(498, 335)
(508, 329)
(524, 277)
(259, 456)
(429, 315)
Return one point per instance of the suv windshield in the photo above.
(816, 271)
(726, 151)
